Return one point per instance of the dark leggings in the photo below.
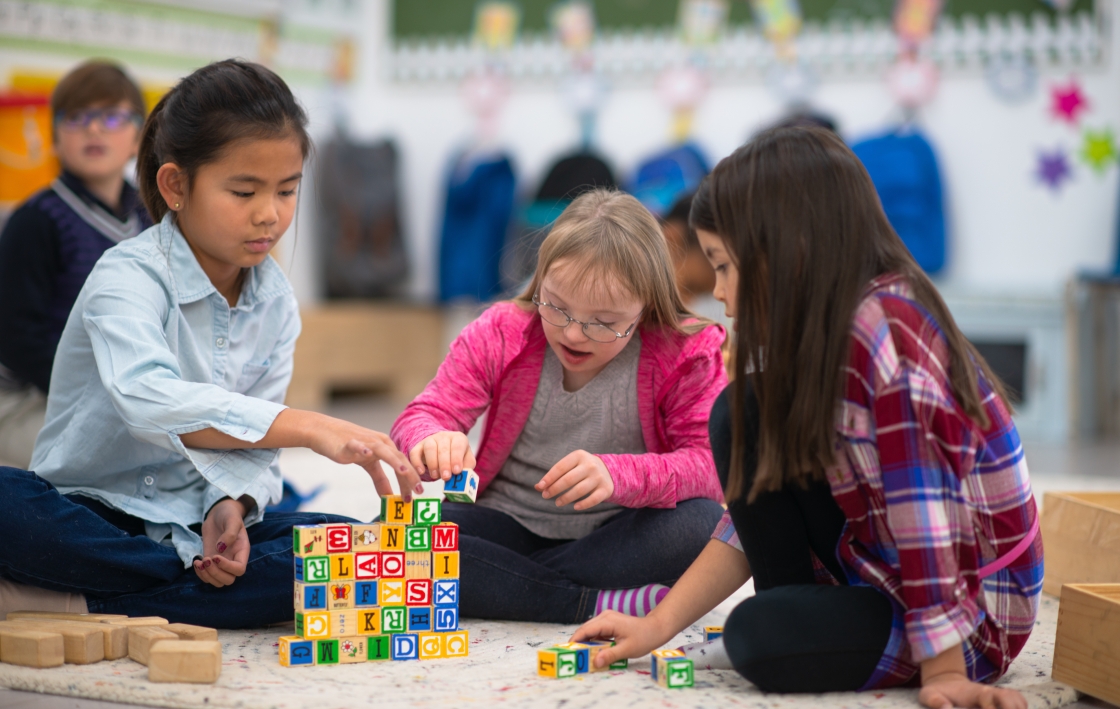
(795, 635)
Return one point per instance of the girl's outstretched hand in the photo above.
(634, 636)
(345, 443)
(950, 690)
(585, 478)
(442, 455)
(225, 544)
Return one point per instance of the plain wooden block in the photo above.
(1082, 533)
(186, 631)
(77, 617)
(1087, 645)
(139, 621)
(143, 638)
(198, 661)
(31, 648)
(82, 643)
(115, 637)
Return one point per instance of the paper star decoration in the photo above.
(1053, 168)
(1098, 149)
(1067, 102)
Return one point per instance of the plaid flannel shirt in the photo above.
(929, 496)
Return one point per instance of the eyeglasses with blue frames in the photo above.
(111, 119)
(596, 332)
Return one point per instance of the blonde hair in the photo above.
(606, 234)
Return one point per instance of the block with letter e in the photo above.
(394, 510)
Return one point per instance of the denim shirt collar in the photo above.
(263, 283)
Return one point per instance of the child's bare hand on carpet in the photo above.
(225, 543)
(585, 478)
(442, 455)
(634, 637)
(950, 690)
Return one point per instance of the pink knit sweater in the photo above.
(496, 363)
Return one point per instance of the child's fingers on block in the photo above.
(459, 448)
(445, 454)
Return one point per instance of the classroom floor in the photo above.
(347, 491)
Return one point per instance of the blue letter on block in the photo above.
(446, 592)
(299, 568)
(420, 618)
(301, 653)
(447, 619)
(405, 647)
(365, 594)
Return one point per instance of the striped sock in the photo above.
(710, 655)
(637, 602)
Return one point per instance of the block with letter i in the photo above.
(462, 487)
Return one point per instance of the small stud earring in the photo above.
(176, 205)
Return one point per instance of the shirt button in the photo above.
(149, 480)
(220, 342)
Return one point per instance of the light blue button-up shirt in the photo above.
(152, 351)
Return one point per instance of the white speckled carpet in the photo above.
(499, 671)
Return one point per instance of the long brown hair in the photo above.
(608, 236)
(803, 223)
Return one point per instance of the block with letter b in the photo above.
(309, 540)
(462, 487)
(431, 646)
(310, 596)
(418, 538)
(367, 565)
(392, 564)
(365, 594)
(446, 618)
(394, 510)
(445, 592)
(366, 537)
(391, 592)
(455, 644)
(297, 652)
(426, 511)
(338, 538)
(445, 537)
(394, 619)
(445, 565)
(418, 592)
(405, 647)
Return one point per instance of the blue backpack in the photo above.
(903, 167)
(664, 177)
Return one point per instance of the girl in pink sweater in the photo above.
(597, 485)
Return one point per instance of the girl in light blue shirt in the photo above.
(159, 453)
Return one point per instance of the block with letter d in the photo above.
(406, 646)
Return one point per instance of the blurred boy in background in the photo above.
(49, 245)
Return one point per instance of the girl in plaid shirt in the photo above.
(877, 489)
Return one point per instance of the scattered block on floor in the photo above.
(114, 637)
(198, 661)
(1082, 533)
(143, 638)
(185, 631)
(297, 652)
(462, 487)
(82, 643)
(139, 621)
(675, 672)
(711, 632)
(31, 648)
(54, 615)
(656, 656)
(1086, 649)
(556, 662)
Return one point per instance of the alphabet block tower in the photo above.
(382, 591)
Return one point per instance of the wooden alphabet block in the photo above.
(343, 623)
(394, 510)
(82, 643)
(394, 619)
(418, 565)
(392, 564)
(138, 621)
(197, 661)
(366, 537)
(326, 651)
(352, 650)
(392, 537)
(556, 662)
(340, 595)
(455, 644)
(426, 511)
(657, 655)
(369, 622)
(418, 592)
(310, 596)
(77, 617)
(711, 632)
(675, 672)
(431, 646)
(313, 626)
(339, 538)
(418, 538)
(313, 569)
(420, 619)
(186, 631)
(342, 567)
(297, 652)
(446, 618)
(462, 487)
(405, 646)
(594, 647)
(445, 537)
(309, 540)
(365, 594)
(583, 655)
(115, 637)
(367, 565)
(31, 648)
(445, 592)
(446, 565)
(378, 647)
(392, 592)
(141, 640)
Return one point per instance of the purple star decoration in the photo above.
(1053, 168)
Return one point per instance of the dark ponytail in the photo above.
(217, 105)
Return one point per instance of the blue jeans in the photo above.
(510, 573)
(78, 545)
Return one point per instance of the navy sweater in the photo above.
(47, 250)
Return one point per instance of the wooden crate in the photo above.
(1087, 649)
(1081, 534)
(359, 344)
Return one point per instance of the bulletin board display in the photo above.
(430, 19)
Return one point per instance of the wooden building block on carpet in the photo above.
(139, 621)
(31, 648)
(1082, 533)
(1086, 652)
(186, 631)
(77, 617)
(198, 661)
(115, 636)
(82, 643)
(143, 638)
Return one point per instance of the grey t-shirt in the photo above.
(600, 418)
